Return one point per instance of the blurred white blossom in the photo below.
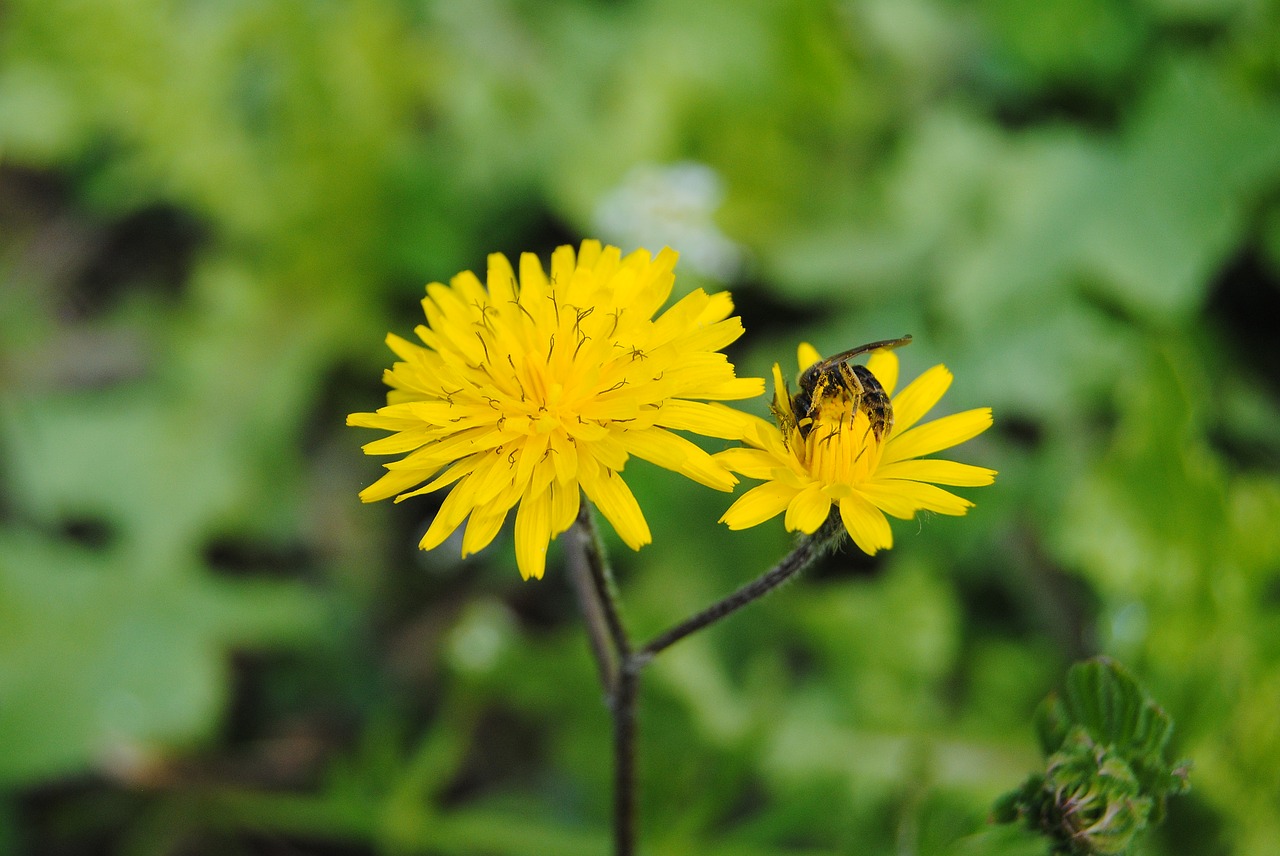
(674, 206)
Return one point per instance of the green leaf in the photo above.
(107, 664)
(1103, 697)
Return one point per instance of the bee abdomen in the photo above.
(874, 402)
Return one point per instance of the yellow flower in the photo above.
(524, 391)
(840, 461)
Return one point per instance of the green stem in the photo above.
(620, 675)
(807, 550)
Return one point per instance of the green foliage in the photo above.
(212, 213)
(1106, 777)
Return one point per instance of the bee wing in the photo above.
(863, 349)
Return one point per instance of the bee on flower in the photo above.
(527, 391)
(845, 443)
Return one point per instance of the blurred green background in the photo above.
(212, 212)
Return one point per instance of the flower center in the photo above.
(841, 448)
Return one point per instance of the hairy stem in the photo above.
(807, 550)
(624, 757)
(578, 549)
(602, 580)
(619, 673)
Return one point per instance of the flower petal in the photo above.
(533, 534)
(885, 496)
(808, 510)
(450, 516)
(393, 482)
(807, 355)
(606, 489)
(938, 472)
(752, 463)
(456, 471)
(484, 523)
(866, 524)
(661, 447)
(925, 497)
(910, 405)
(707, 419)
(763, 502)
(937, 435)
(565, 501)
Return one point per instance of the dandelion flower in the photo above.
(840, 461)
(526, 390)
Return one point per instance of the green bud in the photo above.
(1105, 778)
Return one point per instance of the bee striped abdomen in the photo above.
(836, 380)
(874, 402)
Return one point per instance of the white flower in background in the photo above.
(671, 206)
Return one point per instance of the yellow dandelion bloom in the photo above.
(525, 390)
(838, 460)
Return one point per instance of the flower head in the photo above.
(839, 460)
(525, 391)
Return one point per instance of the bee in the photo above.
(835, 376)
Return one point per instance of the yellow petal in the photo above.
(866, 524)
(397, 417)
(807, 355)
(449, 449)
(533, 534)
(565, 500)
(807, 510)
(403, 348)
(707, 419)
(484, 523)
(712, 337)
(889, 499)
(761, 503)
(765, 435)
(492, 475)
(452, 511)
(938, 472)
(564, 457)
(531, 275)
(937, 435)
(910, 405)
(781, 392)
(752, 463)
(732, 389)
(926, 497)
(393, 482)
(718, 307)
(501, 279)
(456, 471)
(610, 494)
(884, 365)
(677, 454)
(589, 253)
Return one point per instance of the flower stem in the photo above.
(619, 673)
(620, 663)
(808, 549)
(602, 580)
(624, 756)
(578, 551)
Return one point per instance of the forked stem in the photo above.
(619, 671)
(620, 663)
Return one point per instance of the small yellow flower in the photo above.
(840, 461)
(524, 391)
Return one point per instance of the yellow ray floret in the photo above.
(837, 461)
(527, 390)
